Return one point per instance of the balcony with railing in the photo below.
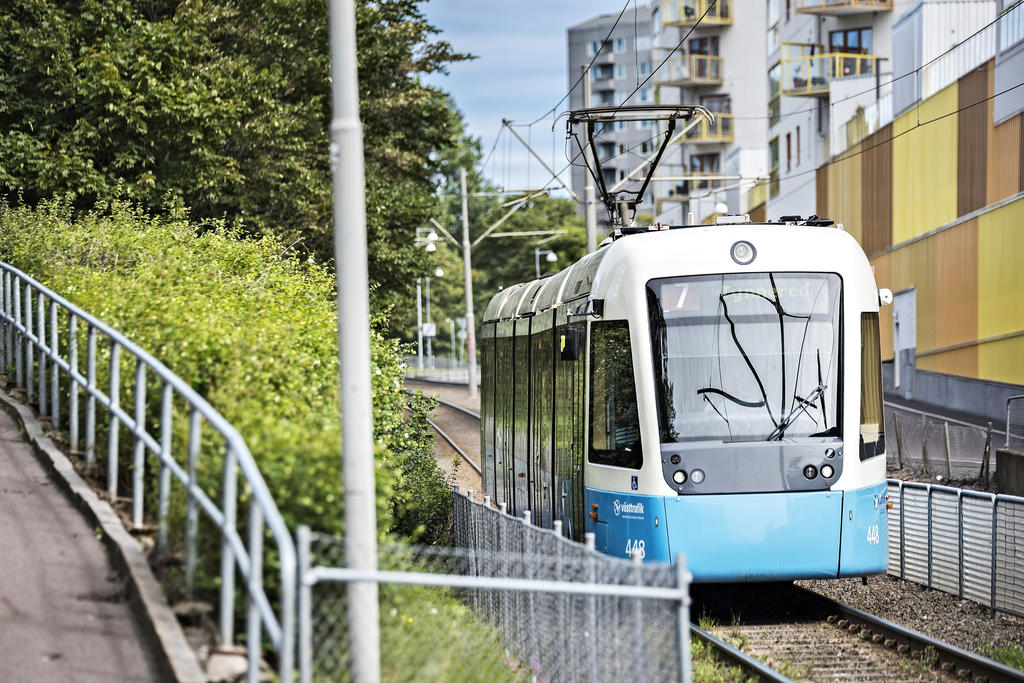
(691, 70)
(811, 75)
(705, 131)
(689, 12)
(839, 8)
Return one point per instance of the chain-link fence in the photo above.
(927, 444)
(968, 543)
(511, 602)
(1015, 424)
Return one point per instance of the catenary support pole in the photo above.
(419, 325)
(467, 271)
(354, 344)
(589, 198)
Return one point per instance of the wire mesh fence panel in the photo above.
(511, 602)
(945, 558)
(1009, 549)
(932, 446)
(1015, 424)
(977, 562)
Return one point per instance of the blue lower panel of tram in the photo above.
(748, 537)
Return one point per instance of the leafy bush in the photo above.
(253, 330)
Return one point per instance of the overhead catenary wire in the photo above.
(579, 80)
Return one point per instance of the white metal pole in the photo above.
(589, 194)
(467, 272)
(354, 344)
(419, 327)
(430, 338)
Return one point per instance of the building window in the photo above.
(620, 71)
(853, 41)
(645, 68)
(614, 422)
(774, 76)
(622, 125)
(704, 164)
(789, 152)
(717, 104)
(773, 159)
(798, 145)
(788, 7)
(620, 45)
(645, 124)
(1011, 27)
(646, 147)
(704, 46)
(645, 95)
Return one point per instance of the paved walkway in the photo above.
(63, 612)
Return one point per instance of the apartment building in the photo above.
(716, 59)
(623, 61)
(930, 179)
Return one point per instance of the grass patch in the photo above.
(1010, 655)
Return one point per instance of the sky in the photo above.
(519, 74)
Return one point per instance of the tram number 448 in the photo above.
(873, 534)
(635, 546)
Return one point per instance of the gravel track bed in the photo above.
(942, 616)
(463, 429)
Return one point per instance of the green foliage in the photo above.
(1010, 655)
(253, 331)
(224, 107)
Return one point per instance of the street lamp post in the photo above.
(438, 272)
(549, 256)
(451, 338)
(419, 326)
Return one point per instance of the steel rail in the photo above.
(451, 442)
(960, 659)
(749, 664)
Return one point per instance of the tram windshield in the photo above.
(746, 356)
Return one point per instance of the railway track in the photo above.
(803, 635)
(459, 429)
(781, 632)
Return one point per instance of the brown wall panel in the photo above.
(1004, 160)
(974, 129)
(956, 278)
(876, 190)
(822, 190)
(758, 213)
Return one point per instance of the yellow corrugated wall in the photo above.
(924, 162)
(1001, 292)
(845, 191)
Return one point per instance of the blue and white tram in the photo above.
(707, 390)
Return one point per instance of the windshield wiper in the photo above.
(802, 405)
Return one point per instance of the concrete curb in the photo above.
(172, 652)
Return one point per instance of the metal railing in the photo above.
(813, 74)
(842, 7)
(1015, 424)
(560, 610)
(41, 337)
(691, 69)
(719, 130)
(689, 12)
(967, 543)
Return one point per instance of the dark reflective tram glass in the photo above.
(746, 356)
(614, 422)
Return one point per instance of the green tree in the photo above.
(224, 107)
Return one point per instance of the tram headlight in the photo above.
(827, 471)
(679, 477)
(743, 252)
(810, 471)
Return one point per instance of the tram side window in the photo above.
(872, 438)
(614, 424)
